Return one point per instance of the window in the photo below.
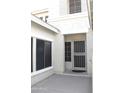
(47, 54)
(67, 51)
(39, 54)
(74, 6)
(79, 46)
(43, 54)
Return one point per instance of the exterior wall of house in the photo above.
(76, 23)
(61, 8)
(71, 38)
(37, 31)
(41, 32)
(59, 64)
(89, 52)
(68, 23)
(64, 7)
(54, 9)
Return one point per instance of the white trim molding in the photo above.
(42, 23)
(41, 71)
(69, 16)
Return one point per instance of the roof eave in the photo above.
(38, 21)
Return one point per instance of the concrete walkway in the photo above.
(63, 84)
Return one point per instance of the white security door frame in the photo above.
(78, 57)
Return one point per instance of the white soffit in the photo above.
(48, 26)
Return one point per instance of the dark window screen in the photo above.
(31, 54)
(74, 6)
(67, 51)
(43, 54)
(79, 61)
(47, 54)
(39, 54)
(79, 46)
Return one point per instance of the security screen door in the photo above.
(79, 55)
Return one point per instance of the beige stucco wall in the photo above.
(59, 64)
(71, 24)
(89, 52)
(75, 37)
(41, 32)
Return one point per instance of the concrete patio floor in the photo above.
(63, 84)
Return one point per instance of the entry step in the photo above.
(79, 70)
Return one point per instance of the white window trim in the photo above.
(41, 71)
(34, 57)
(34, 54)
(42, 38)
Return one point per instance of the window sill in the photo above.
(41, 71)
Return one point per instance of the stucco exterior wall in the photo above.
(61, 8)
(76, 23)
(54, 9)
(89, 52)
(68, 23)
(75, 37)
(59, 64)
(41, 32)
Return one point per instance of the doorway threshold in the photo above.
(71, 73)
